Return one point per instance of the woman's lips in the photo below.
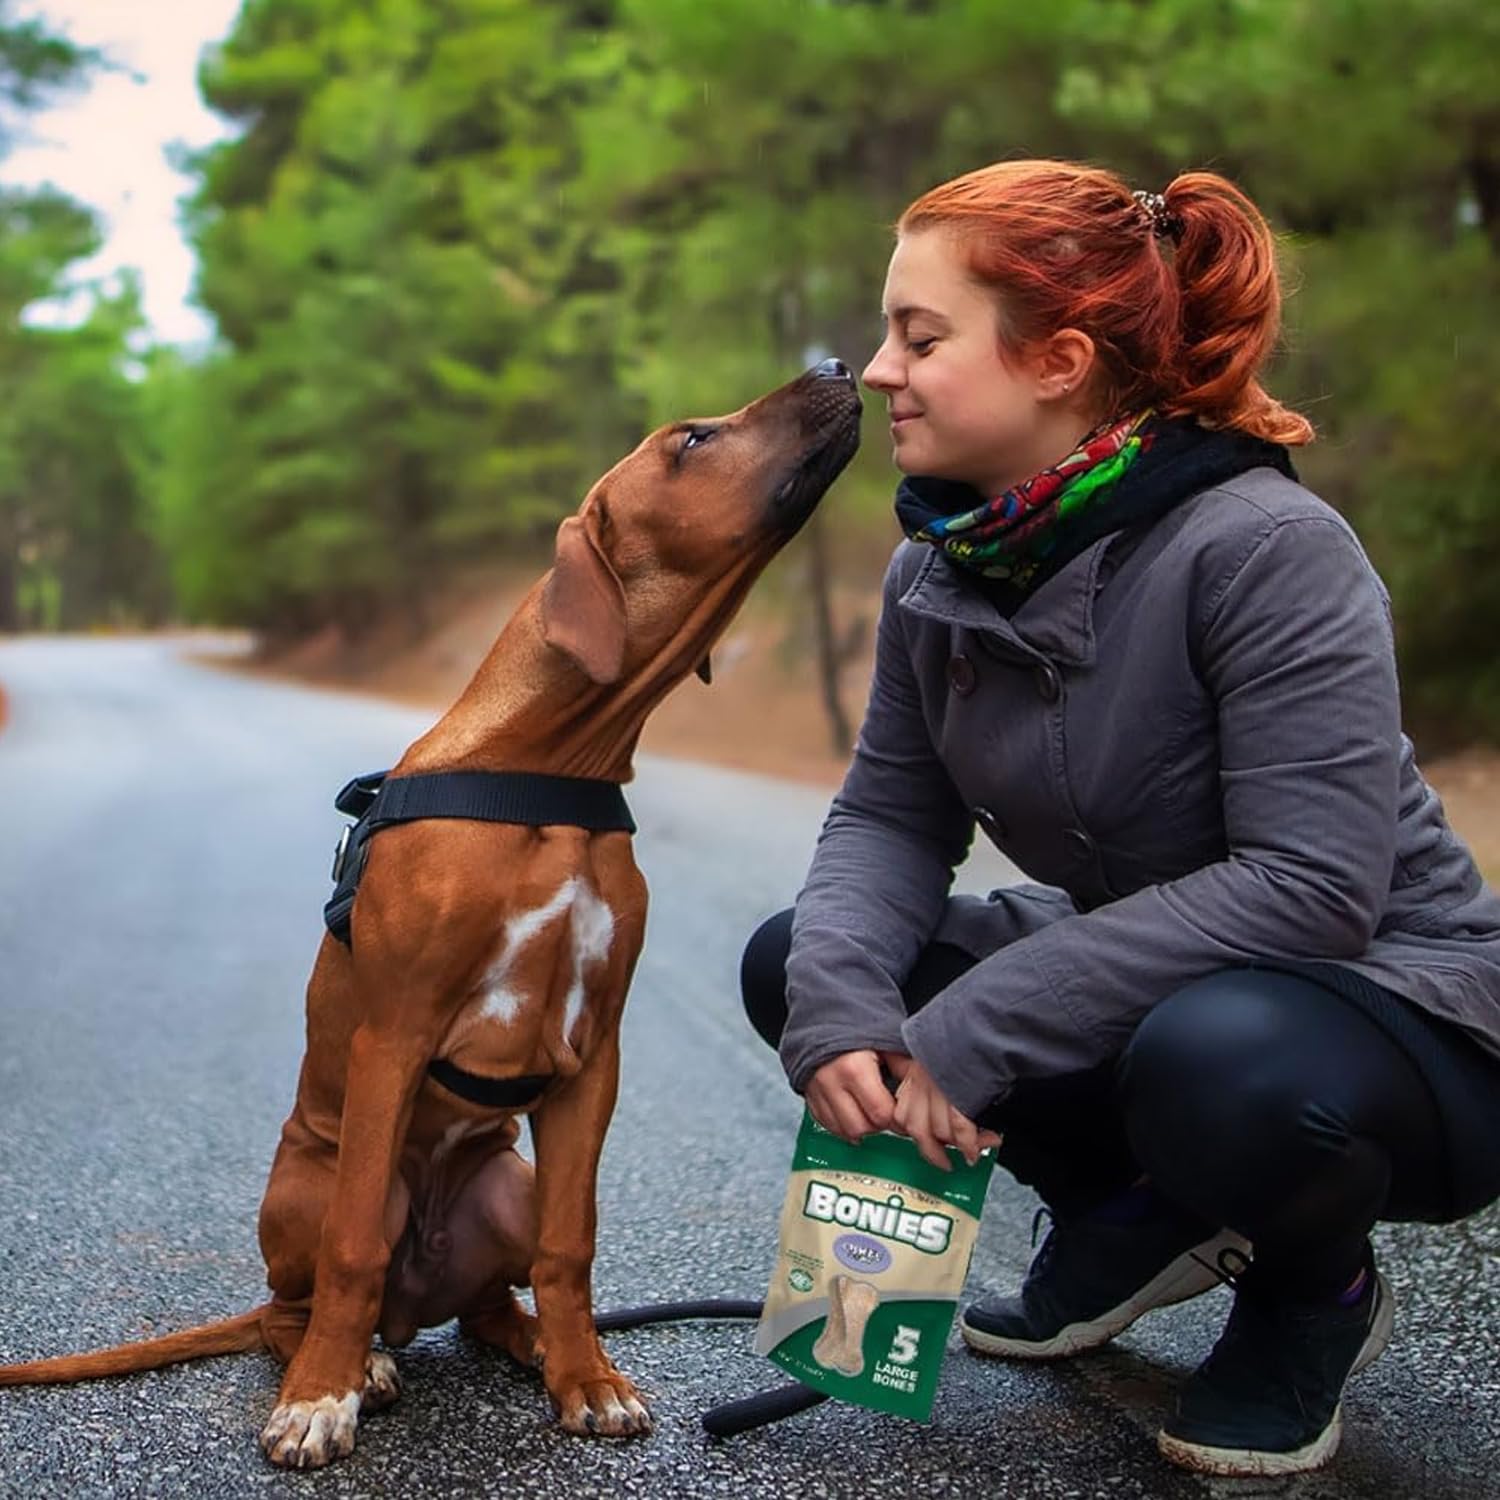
(903, 419)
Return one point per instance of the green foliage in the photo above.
(413, 323)
(1402, 374)
(73, 549)
(462, 252)
(68, 484)
(35, 62)
(41, 234)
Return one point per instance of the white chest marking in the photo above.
(592, 929)
(501, 1003)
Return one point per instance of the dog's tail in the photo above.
(228, 1336)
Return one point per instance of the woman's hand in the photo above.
(849, 1097)
(926, 1116)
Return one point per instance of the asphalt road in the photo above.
(164, 848)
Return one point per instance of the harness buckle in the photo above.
(341, 853)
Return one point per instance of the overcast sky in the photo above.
(106, 144)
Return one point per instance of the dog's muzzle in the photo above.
(830, 411)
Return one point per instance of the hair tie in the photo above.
(1165, 225)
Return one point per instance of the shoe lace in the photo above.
(1036, 1222)
(1044, 1255)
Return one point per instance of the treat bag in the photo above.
(875, 1245)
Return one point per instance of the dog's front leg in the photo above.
(590, 1395)
(318, 1406)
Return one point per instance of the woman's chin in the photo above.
(907, 457)
(917, 465)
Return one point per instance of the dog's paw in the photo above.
(310, 1434)
(610, 1407)
(382, 1383)
(508, 1327)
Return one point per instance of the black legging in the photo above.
(1253, 1099)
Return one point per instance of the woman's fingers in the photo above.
(818, 1108)
(848, 1096)
(854, 1123)
(964, 1134)
(924, 1114)
(834, 1111)
(931, 1147)
(897, 1064)
(867, 1088)
(923, 1117)
(825, 1103)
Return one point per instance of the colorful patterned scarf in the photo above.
(1012, 535)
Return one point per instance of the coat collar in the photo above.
(1055, 621)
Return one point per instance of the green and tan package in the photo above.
(875, 1245)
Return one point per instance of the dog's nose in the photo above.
(834, 369)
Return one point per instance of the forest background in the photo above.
(461, 254)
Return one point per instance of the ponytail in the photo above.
(1230, 315)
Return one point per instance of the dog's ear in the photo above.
(583, 604)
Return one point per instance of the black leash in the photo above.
(733, 1417)
(675, 1312)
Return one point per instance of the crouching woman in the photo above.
(1252, 1007)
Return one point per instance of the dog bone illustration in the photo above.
(832, 1337)
(841, 1345)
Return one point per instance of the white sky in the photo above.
(106, 144)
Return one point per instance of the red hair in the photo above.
(1066, 246)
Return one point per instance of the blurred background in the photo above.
(315, 315)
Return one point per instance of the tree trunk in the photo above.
(789, 323)
(1484, 175)
(828, 654)
(10, 579)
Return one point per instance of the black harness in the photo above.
(378, 800)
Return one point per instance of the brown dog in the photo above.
(393, 1203)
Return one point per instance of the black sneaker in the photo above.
(1266, 1400)
(1092, 1280)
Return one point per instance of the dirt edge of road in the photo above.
(763, 711)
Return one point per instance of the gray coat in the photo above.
(1191, 734)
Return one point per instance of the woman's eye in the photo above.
(920, 346)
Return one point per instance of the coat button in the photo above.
(989, 820)
(961, 675)
(1079, 844)
(1048, 681)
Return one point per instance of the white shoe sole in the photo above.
(1186, 1277)
(1247, 1463)
(1250, 1463)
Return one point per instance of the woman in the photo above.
(1255, 1007)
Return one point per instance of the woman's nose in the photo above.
(883, 371)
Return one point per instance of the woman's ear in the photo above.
(583, 603)
(1063, 364)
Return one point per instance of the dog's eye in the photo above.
(695, 437)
